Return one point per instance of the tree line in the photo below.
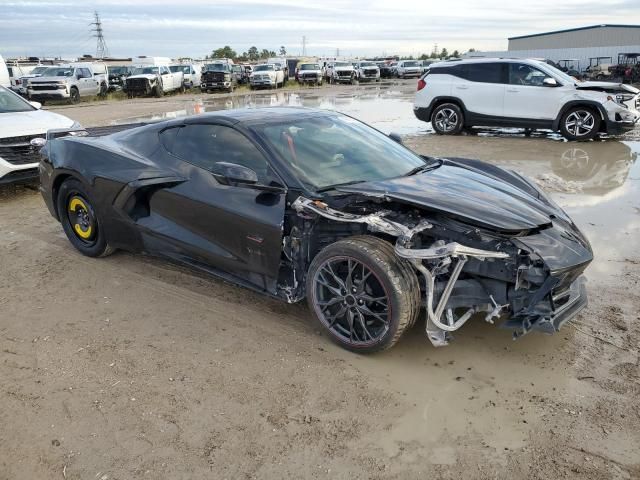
(253, 54)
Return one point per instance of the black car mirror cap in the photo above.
(396, 137)
(235, 174)
(550, 82)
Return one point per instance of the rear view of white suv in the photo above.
(522, 93)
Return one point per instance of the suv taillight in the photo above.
(421, 84)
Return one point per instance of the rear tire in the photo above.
(580, 124)
(80, 219)
(447, 119)
(374, 305)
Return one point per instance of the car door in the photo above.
(166, 78)
(526, 95)
(481, 87)
(233, 228)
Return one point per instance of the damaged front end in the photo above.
(531, 278)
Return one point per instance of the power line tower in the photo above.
(304, 46)
(101, 50)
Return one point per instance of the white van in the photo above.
(4, 74)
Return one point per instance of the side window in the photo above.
(522, 74)
(205, 145)
(86, 73)
(164, 70)
(484, 72)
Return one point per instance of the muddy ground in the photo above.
(130, 367)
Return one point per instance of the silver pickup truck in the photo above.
(67, 82)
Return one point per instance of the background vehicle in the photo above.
(341, 72)
(284, 65)
(598, 68)
(367, 72)
(287, 202)
(191, 74)
(118, 76)
(408, 69)
(310, 73)
(628, 68)
(388, 70)
(266, 75)
(238, 73)
(68, 82)
(522, 93)
(20, 122)
(218, 76)
(20, 84)
(153, 80)
(571, 67)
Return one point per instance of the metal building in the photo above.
(582, 44)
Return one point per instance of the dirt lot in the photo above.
(129, 367)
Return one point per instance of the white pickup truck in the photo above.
(153, 80)
(68, 82)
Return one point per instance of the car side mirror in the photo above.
(79, 76)
(549, 82)
(37, 105)
(234, 174)
(396, 137)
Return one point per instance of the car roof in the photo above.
(262, 115)
(486, 60)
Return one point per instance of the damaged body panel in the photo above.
(299, 203)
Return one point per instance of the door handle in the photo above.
(462, 87)
(513, 90)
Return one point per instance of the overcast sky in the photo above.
(374, 27)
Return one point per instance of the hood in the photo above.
(148, 76)
(52, 79)
(35, 122)
(262, 72)
(607, 87)
(495, 198)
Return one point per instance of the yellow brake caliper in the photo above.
(73, 206)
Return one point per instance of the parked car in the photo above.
(118, 74)
(191, 73)
(388, 70)
(247, 69)
(284, 65)
(238, 73)
(153, 80)
(522, 93)
(310, 73)
(266, 75)
(218, 76)
(300, 203)
(20, 122)
(367, 72)
(341, 72)
(408, 69)
(20, 85)
(68, 82)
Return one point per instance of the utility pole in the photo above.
(304, 46)
(337, 53)
(101, 50)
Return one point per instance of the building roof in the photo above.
(575, 30)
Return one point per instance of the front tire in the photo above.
(447, 119)
(157, 91)
(74, 95)
(580, 124)
(362, 294)
(80, 220)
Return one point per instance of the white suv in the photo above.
(522, 93)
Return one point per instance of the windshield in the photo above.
(342, 64)
(58, 72)
(180, 68)
(410, 64)
(309, 66)
(564, 78)
(118, 70)
(368, 64)
(38, 70)
(12, 103)
(216, 67)
(146, 71)
(262, 68)
(332, 150)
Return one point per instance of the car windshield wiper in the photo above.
(336, 185)
(423, 168)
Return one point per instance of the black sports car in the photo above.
(302, 203)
